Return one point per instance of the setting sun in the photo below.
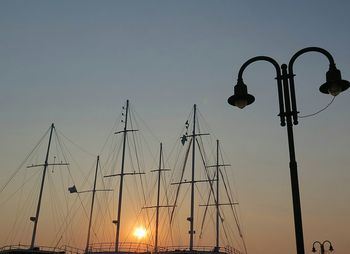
(140, 232)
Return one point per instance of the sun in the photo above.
(140, 232)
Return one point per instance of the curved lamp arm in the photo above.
(259, 58)
(326, 241)
(313, 245)
(310, 49)
(278, 78)
(291, 73)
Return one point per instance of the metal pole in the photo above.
(293, 166)
(41, 189)
(289, 113)
(322, 248)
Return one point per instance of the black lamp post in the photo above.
(322, 246)
(289, 114)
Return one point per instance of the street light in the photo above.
(322, 246)
(289, 114)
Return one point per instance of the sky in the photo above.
(75, 63)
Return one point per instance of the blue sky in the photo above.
(76, 62)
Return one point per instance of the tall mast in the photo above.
(217, 195)
(193, 181)
(191, 219)
(92, 206)
(73, 189)
(36, 219)
(46, 164)
(122, 174)
(158, 196)
(159, 170)
(217, 203)
(121, 178)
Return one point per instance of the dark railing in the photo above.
(127, 247)
(26, 248)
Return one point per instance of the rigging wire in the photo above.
(20, 205)
(23, 206)
(71, 176)
(114, 127)
(181, 178)
(204, 215)
(202, 153)
(232, 206)
(106, 200)
(136, 153)
(76, 144)
(176, 143)
(54, 205)
(22, 163)
(180, 203)
(228, 187)
(135, 186)
(20, 188)
(210, 184)
(176, 151)
(106, 210)
(147, 127)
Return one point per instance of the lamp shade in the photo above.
(334, 83)
(241, 98)
(331, 248)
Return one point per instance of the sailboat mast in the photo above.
(217, 195)
(157, 206)
(191, 219)
(36, 219)
(158, 197)
(121, 178)
(92, 206)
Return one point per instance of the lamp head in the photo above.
(241, 97)
(334, 84)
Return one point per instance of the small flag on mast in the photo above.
(72, 189)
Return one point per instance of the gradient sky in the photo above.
(76, 62)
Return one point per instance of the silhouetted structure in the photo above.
(194, 164)
(289, 113)
(322, 246)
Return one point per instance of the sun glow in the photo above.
(140, 232)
